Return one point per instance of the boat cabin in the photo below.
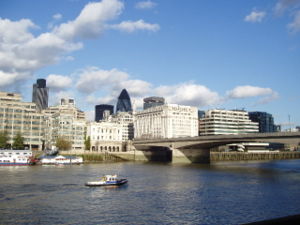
(109, 178)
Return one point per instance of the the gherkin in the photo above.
(124, 103)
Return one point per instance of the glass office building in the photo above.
(265, 121)
(40, 94)
(124, 102)
(101, 111)
(153, 101)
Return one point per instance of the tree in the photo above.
(3, 139)
(87, 143)
(18, 142)
(63, 144)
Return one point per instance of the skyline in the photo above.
(226, 55)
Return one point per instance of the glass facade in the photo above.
(265, 121)
(124, 102)
(100, 111)
(153, 101)
(40, 94)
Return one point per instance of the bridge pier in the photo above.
(190, 155)
(153, 154)
(172, 154)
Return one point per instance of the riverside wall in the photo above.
(248, 156)
(101, 156)
(213, 156)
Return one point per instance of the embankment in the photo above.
(245, 156)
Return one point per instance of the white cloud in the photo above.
(104, 86)
(282, 5)
(93, 79)
(7, 79)
(57, 16)
(131, 26)
(295, 25)
(184, 93)
(249, 91)
(22, 53)
(15, 32)
(58, 82)
(93, 100)
(255, 17)
(54, 99)
(91, 21)
(188, 94)
(145, 5)
(137, 103)
(135, 87)
(267, 99)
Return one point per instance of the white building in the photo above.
(66, 121)
(126, 121)
(105, 136)
(218, 122)
(166, 121)
(21, 117)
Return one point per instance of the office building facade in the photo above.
(166, 121)
(105, 136)
(126, 121)
(265, 121)
(66, 121)
(40, 94)
(21, 117)
(218, 122)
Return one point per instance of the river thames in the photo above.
(224, 193)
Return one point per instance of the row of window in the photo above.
(103, 138)
(106, 148)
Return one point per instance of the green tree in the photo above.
(3, 139)
(87, 143)
(18, 142)
(63, 144)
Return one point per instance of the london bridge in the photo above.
(198, 149)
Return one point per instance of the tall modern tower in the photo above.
(100, 111)
(124, 103)
(40, 94)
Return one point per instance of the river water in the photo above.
(224, 193)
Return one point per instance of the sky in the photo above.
(209, 54)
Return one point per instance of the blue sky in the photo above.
(210, 54)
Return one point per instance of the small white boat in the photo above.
(107, 180)
(60, 160)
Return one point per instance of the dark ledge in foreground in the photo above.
(278, 221)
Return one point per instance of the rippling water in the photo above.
(226, 193)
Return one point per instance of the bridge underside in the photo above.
(167, 154)
(191, 151)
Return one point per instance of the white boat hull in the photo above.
(106, 183)
(61, 160)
